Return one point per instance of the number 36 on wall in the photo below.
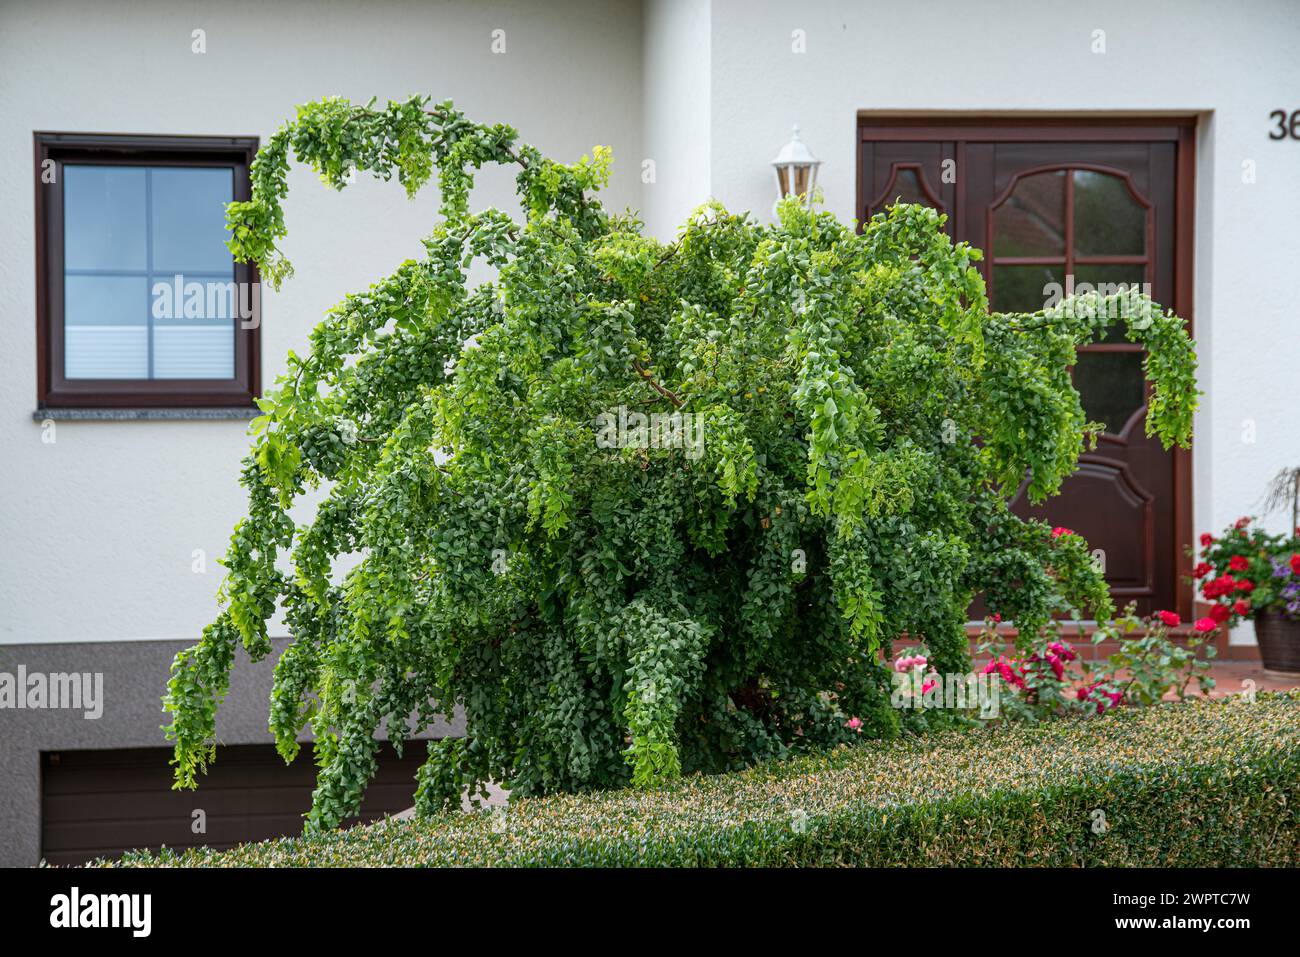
(1285, 127)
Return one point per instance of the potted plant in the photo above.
(1249, 573)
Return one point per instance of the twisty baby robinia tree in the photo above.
(612, 612)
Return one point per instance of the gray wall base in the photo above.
(135, 678)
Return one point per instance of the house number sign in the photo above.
(1287, 127)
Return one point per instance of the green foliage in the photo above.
(625, 612)
(1197, 784)
(1149, 664)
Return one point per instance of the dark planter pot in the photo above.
(1279, 641)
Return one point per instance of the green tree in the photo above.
(834, 426)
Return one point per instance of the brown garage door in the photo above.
(101, 803)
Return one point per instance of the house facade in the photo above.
(1117, 143)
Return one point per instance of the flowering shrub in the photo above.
(532, 539)
(1038, 669)
(1045, 676)
(916, 668)
(1245, 571)
(913, 677)
(1152, 664)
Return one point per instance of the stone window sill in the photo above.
(197, 414)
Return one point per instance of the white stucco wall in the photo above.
(676, 101)
(98, 529)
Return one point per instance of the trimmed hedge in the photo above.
(1201, 783)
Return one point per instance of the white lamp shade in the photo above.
(796, 169)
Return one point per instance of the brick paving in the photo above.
(1229, 678)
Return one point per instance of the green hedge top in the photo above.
(1175, 774)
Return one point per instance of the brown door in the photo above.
(1067, 206)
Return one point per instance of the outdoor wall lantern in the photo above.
(796, 170)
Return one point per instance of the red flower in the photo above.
(1218, 587)
(1241, 607)
(1242, 522)
(1170, 618)
(1246, 585)
(1295, 562)
(1220, 613)
(1206, 624)
(1203, 569)
(1115, 697)
(1238, 563)
(1207, 540)
(1058, 669)
(1010, 671)
(1061, 530)
(1062, 650)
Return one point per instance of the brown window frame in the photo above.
(53, 389)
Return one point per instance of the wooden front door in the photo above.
(1057, 206)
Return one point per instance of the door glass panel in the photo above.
(1110, 386)
(907, 189)
(1032, 220)
(1108, 221)
(1025, 288)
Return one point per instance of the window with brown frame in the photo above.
(139, 302)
